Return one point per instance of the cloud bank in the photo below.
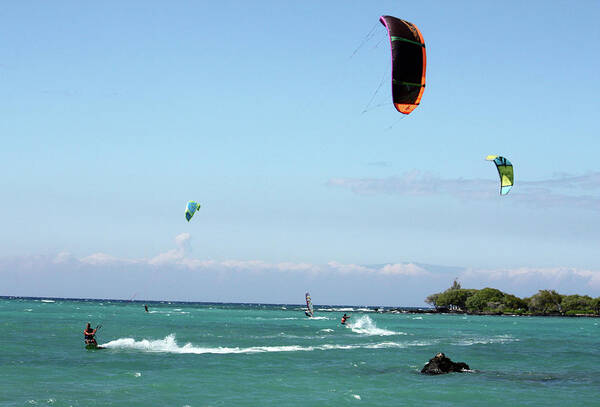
(562, 190)
(176, 275)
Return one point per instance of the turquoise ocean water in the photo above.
(255, 355)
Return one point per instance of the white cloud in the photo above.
(176, 274)
(175, 256)
(348, 268)
(183, 240)
(542, 278)
(562, 190)
(63, 257)
(98, 259)
(403, 269)
(409, 269)
(417, 183)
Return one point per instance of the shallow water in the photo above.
(255, 355)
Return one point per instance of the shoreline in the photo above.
(326, 308)
(501, 314)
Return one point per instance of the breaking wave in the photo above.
(347, 309)
(169, 345)
(486, 341)
(365, 326)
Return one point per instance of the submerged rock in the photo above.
(440, 364)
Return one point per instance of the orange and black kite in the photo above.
(408, 63)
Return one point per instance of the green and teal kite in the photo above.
(191, 209)
(505, 171)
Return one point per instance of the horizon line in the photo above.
(20, 297)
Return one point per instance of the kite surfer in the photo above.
(344, 318)
(146, 307)
(88, 334)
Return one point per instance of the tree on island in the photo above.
(515, 304)
(546, 301)
(432, 299)
(492, 300)
(596, 305)
(577, 304)
(454, 298)
(455, 285)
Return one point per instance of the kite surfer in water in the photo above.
(146, 307)
(344, 318)
(88, 334)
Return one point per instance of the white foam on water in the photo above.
(487, 341)
(169, 345)
(356, 396)
(422, 343)
(47, 301)
(318, 318)
(385, 345)
(418, 318)
(137, 374)
(326, 330)
(365, 326)
(28, 309)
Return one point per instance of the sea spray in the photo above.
(365, 326)
(169, 345)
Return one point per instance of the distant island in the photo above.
(491, 301)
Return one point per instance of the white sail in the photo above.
(309, 306)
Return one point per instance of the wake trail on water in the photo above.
(169, 345)
(365, 326)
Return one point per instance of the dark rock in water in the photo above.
(440, 364)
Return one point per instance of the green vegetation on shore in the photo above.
(493, 301)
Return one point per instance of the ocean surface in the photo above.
(182, 354)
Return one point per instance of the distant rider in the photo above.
(344, 318)
(88, 334)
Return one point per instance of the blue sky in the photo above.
(114, 115)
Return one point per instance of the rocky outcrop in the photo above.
(440, 364)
